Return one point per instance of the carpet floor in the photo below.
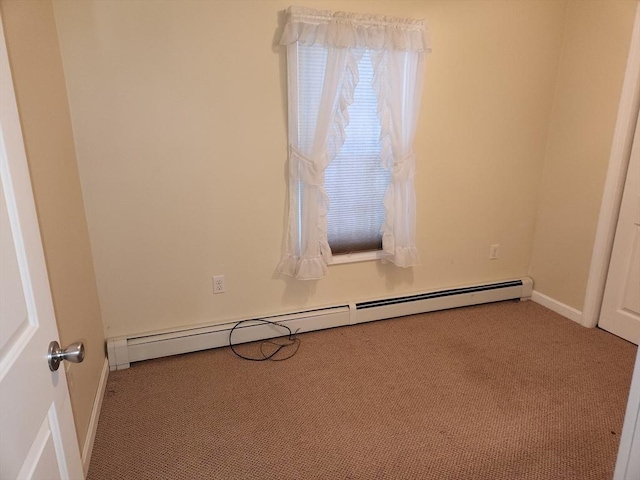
(501, 391)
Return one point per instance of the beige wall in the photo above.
(179, 116)
(36, 66)
(593, 60)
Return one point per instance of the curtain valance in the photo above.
(352, 30)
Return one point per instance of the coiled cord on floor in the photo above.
(291, 340)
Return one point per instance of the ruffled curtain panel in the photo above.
(397, 48)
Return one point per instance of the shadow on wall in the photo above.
(394, 276)
(281, 51)
(297, 292)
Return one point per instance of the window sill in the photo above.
(357, 257)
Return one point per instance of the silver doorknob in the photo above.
(73, 353)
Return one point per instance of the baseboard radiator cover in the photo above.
(122, 351)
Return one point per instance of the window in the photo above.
(354, 84)
(355, 181)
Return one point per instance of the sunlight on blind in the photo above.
(354, 181)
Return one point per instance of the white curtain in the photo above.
(397, 49)
(398, 77)
(308, 253)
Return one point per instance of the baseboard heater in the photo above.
(123, 351)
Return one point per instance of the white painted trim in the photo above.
(614, 183)
(556, 306)
(118, 354)
(628, 462)
(357, 257)
(87, 449)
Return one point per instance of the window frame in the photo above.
(357, 257)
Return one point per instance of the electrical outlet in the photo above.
(494, 252)
(219, 284)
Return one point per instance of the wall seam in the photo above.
(545, 158)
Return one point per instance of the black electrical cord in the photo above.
(291, 340)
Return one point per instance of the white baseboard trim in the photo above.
(556, 306)
(87, 449)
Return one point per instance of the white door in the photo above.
(37, 433)
(628, 462)
(620, 312)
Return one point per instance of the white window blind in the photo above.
(355, 181)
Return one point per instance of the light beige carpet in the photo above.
(501, 391)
